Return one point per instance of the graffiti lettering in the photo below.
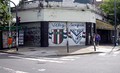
(58, 25)
(77, 25)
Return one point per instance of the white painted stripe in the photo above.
(102, 54)
(112, 53)
(2, 53)
(116, 53)
(50, 58)
(21, 72)
(103, 50)
(33, 59)
(12, 70)
(41, 69)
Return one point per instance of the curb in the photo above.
(75, 54)
(3, 51)
(13, 51)
(67, 54)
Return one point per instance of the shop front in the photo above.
(106, 32)
(6, 41)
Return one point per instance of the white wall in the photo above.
(30, 15)
(70, 15)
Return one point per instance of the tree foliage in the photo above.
(108, 7)
(5, 16)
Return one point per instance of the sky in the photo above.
(98, 0)
(15, 1)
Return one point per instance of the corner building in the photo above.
(56, 22)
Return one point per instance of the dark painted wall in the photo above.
(1, 41)
(105, 36)
(35, 34)
(44, 34)
(32, 34)
(89, 32)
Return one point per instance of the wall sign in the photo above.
(58, 33)
(77, 33)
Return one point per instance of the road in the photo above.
(90, 63)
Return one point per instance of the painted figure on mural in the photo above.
(97, 39)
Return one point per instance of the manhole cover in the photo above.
(43, 52)
(32, 50)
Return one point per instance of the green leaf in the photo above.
(108, 7)
(5, 16)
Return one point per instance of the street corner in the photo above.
(107, 49)
(78, 52)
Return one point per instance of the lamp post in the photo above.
(9, 20)
(16, 10)
(115, 25)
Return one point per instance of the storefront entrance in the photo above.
(106, 36)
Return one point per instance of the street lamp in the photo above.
(115, 29)
(16, 10)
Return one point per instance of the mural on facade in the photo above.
(76, 33)
(57, 36)
(57, 33)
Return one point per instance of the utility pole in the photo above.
(93, 35)
(115, 25)
(67, 38)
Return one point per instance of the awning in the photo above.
(103, 25)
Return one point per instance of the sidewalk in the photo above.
(61, 51)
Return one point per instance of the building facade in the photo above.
(54, 22)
